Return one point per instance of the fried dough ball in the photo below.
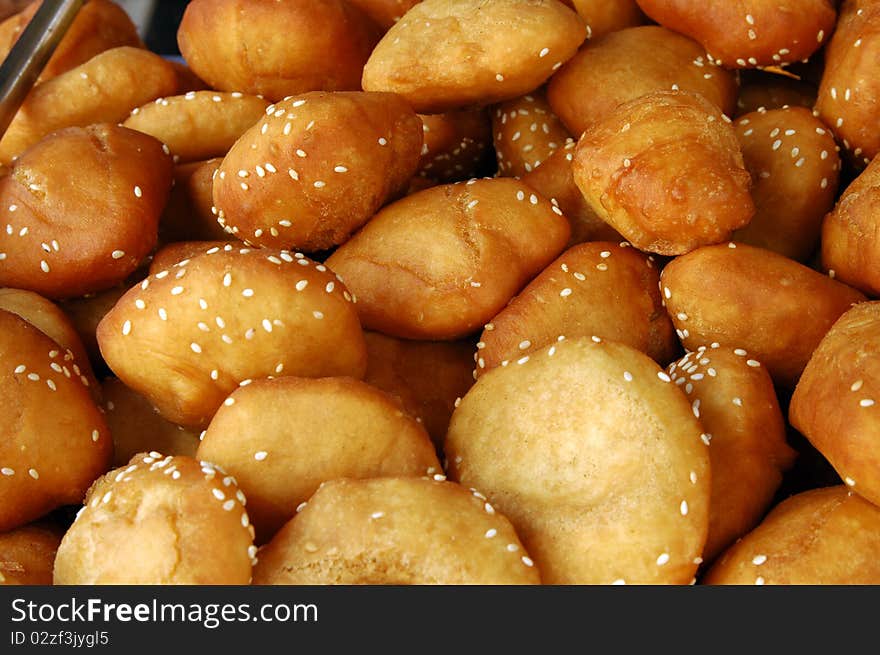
(52, 321)
(317, 168)
(384, 13)
(187, 336)
(554, 179)
(136, 427)
(849, 91)
(625, 65)
(745, 431)
(276, 49)
(795, 169)
(820, 537)
(666, 171)
(451, 54)
(98, 26)
(200, 124)
(525, 132)
(282, 438)
(749, 33)
(602, 289)
(603, 17)
(396, 531)
(85, 312)
(27, 554)
(790, 307)
(442, 262)
(82, 210)
(103, 89)
(55, 440)
(763, 90)
(160, 520)
(560, 444)
(850, 236)
(427, 377)
(835, 402)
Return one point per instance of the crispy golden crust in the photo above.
(835, 402)
(317, 168)
(27, 554)
(172, 253)
(600, 289)
(282, 438)
(603, 17)
(449, 54)
(788, 306)
(820, 537)
(186, 337)
(625, 65)
(160, 520)
(189, 214)
(745, 430)
(525, 132)
(749, 33)
(321, 45)
(850, 243)
(55, 439)
(86, 312)
(82, 210)
(666, 171)
(764, 90)
(52, 321)
(199, 124)
(103, 89)
(440, 263)
(554, 179)
(850, 88)
(595, 457)
(795, 169)
(99, 25)
(396, 531)
(137, 427)
(455, 144)
(426, 376)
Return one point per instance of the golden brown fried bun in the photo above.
(764, 90)
(85, 312)
(835, 404)
(794, 165)
(190, 214)
(850, 88)
(745, 297)
(850, 235)
(316, 168)
(745, 431)
(602, 289)
(282, 438)
(820, 537)
(749, 33)
(187, 336)
(374, 532)
(426, 376)
(55, 440)
(442, 262)
(276, 49)
(451, 54)
(455, 144)
(82, 210)
(384, 12)
(103, 89)
(625, 65)
(158, 521)
(603, 17)
(199, 124)
(666, 171)
(558, 442)
(525, 132)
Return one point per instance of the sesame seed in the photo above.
(163, 314)
(318, 315)
(320, 184)
(95, 435)
(856, 385)
(229, 402)
(126, 328)
(137, 192)
(34, 474)
(565, 292)
(176, 291)
(757, 560)
(247, 293)
(759, 581)
(491, 533)
(866, 402)
(663, 376)
(196, 348)
(663, 559)
(740, 352)
(849, 481)
(260, 455)
(383, 141)
(627, 376)
(7, 471)
(683, 508)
